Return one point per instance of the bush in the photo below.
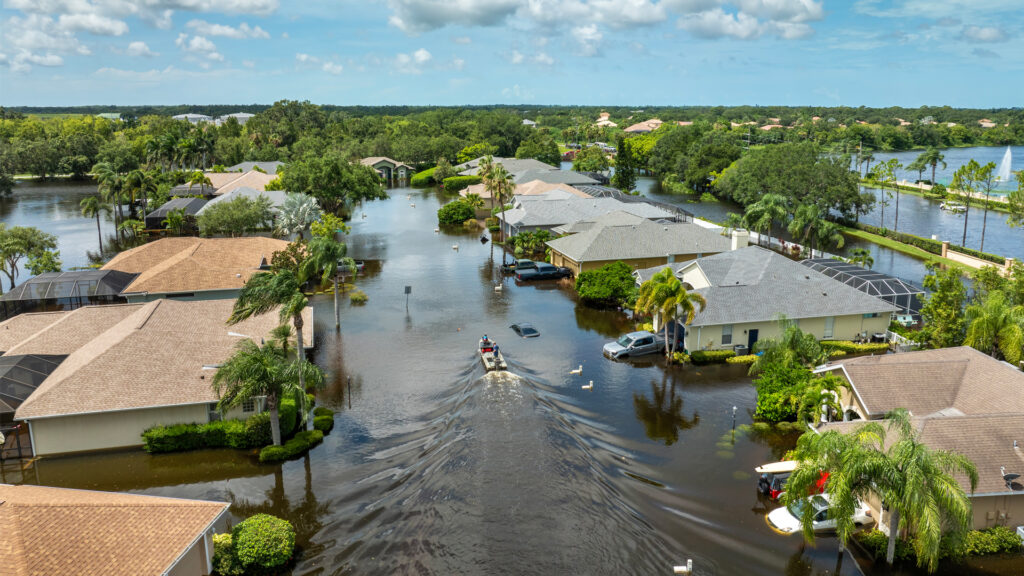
(492, 224)
(323, 423)
(929, 245)
(323, 411)
(263, 542)
(711, 356)
(174, 438)
(455, 212)
(610, 285)
(680, 357)
(778, 390)
(424, 179)
(853, 347)
(287, 416)
(300, 444)
(225, 562)
(257, 430)
(995, 540)
(876, 542)
(745, 359)
(455, 183)
(358, 297)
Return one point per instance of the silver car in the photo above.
(634, 344)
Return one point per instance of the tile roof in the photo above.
(276, 197)
(89, 533)
(754, 284)
(620, 235)
(531, 188)
(558, 208)
(645, 126)
(154, 356)
(188, 264)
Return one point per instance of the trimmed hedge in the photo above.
(300, 444)
(253, 432)
(995, 540)
(745, 359)
(929, 245)
(424, 179)
(711, 356)
(455, 183)
(323, 423)
(455, 212)
(492, 223)
(288, 416)
(263, 543)
(853, 347)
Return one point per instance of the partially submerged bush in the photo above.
(854, 347)
(745, 359)
(711, 356)
(455, 212)
(225, 562)
(263, 542)
(358, 297)
(300, 444)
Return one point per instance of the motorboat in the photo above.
(773, 477)
(491, 356)
(954, 207)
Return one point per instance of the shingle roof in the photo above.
(268, 167)
(515, 166)
(69, 331)
(225, 182)
(88, 533)
(754, 284)
(553, 176)
(531, 188)
(191, 206)
(557, 208)
(620, 235)
(154, 356)
(188, 264)
(375, 159)
(276, 197)
(14, 330)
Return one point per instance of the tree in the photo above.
(443, 170)
(664, 295)
(19, 242)
(919, 166)
(987, 181)
(455, 212)
(476, 151)
(610, 285)
(253, 371)
(625, 166)
(862, 257)
(591, 159)
(45, 261)
(866, 158)
(964, 185)
(485, 169)
(298, 212)
(327, 258)
(811, 227)
(92, 207)
(885, 172)
(175, 221)
(1015, 203)
(763, 214)
(540, 146)
(996, 327)
(504, 186)
(942, 311)
(335, 182)
(109, 187)
(792, 348)
(474, 201)
(199, 179)
(932, 157)
(915, 482)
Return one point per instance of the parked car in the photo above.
(516, 266)
(634, 344)
(525, 330)
(772, 479)
(543, 272)
(787, 519)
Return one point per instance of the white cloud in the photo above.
(242, 31)
(938, 9)
(94, 24)
(985, 34)
(421, 56)
(519, 94)
(462, 40)
(285, 35)
(786, 19)
(306, 58)
(199, 45)
(717, 23)
(415, 16)
(458, 63)
(516, 57)
(412, 64)
(332, 68)
(543, 58)
(627, 13)
(139, 48)
(249, 63)
(589, 39)
(793, 11)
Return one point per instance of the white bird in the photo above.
(577, 371)
(364, 214)
(455, 246)
(497, 288)
(588, 386)
(412, 204)
(436, 230)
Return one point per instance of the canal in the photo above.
(435, 468)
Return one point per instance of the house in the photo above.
(130, 367)
(986, 123)
(532, 188)
(240, 117)
(392, 171)
(189, 206)
(960, 400)
(52, 291)
(193, 268)
(905, 296)
(767, 127)
(109, 115)
(558, 208)
(644, 127)
(529, 123)
(265, 167)
(749, 289)
(224, 182)
(635, 240)
(554, 176)
(276, 197)
(64, 531)
(514, 166)
(684, 123)
(193, 118)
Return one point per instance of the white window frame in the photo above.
(727, 334)
(249, 405)
(830, 327)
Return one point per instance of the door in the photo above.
(751, 340)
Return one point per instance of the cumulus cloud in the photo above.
(332, 68)
(517, 93)
(983, 34)
(516, 57)
(242, 31)
(306, 58)
(543, 58)
(199, 45)
(139, 48)
(415, 16)
(458, 63)
(589, 39)
(787, 19)
(38, 40)
(412, 64)
(421, 56)
(984, 53)
(462, 40)
(93, 23)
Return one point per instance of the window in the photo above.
(212, 412)
(249, 405)
(727, 335)
(871, 315)
(830, 322)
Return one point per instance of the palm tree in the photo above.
(109, 187)
(327, 258)
(474, 201)
(862, 257)
(197, 178)
(266, 291)
(504, 186)
(987, 180)
(915, 482)
(142, 185)
(175, 221)
(298, 212)
(253, 371)
(964, 184)
(996, 327)
(886, 174)
(866, 158)
(764, 213)
(92, 207)
(485, 169)
(918, 166)
(811, 227)
(666, 296)
(932, 157)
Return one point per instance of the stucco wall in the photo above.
(194, 562)
(106, 430)
(843, 328)
(634, 263)
(992, 511)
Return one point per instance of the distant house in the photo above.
(53, 291)
(513, 165)
(604, 120)
(193, 268)
(771, 126)
(189, 206)
(531, 188)
(240, 117)
(193, 118)
(749, 289)
(60, 531)
(127, 368)
(225, 182)
(684, 123)
(391, 171)
(529, 123)
(986, 123)
(644, 127)
(109, 115)
(554, 176)
(960, 400)
(558, 208)
(635, 240)
(267, 167)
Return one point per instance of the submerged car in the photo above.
(525, 330)
(543, 272)
(518, 266)
(634, 344)
(787, 519)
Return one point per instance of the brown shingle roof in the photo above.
(51, 531)
(16, 329)
(72, 329)
(189, 264)
(154, 356)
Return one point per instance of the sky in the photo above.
(962, 53)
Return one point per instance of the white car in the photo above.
(787, 519)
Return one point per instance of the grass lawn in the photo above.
(906, 249)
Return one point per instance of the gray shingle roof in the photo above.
(754, 284)
(623, 236)
(560, 209)
(268, 167)
(553, 176)
(513, 165)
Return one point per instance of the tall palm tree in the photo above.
(933, 157)
(92, 207)
(474, 201)
(915, 482)
(866, 158)
(811, 227)
(110, 184)
(987, 180)
(486, 171)
(964, 183)
(267, 291)
(768, 210)
(297, 213)
(142, 185)
(886, 174)
(666, 296)
(996, 327)
(253, 371)
(327, 259)
(197, 178)
(504, 187)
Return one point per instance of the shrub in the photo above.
(323, 423)
(423, 179)
(853, 347)
(455, 212)
(929, 245)
(175, 438)
(680, 357)
(263, 542)
(779, 388)
(236, 434)
(358, 297)
(322, 411)
(455, 183)
(257, 430)
(745, 359)
(836, 354)
(995, 540)
(610, 285)
(711, 356)
(492, 224)
(287, 416)
(299, 444)
(225, 562)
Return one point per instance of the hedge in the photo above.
(711, 356)
(263, 543)
(453, 184)
(323, 419)
(854, 347)
(455, 212)
(225, 562)
(492, 224)
(300, 444)
(929, 245)
(253, 432)
(288, 416)
(996, 540)
(424, 179)
(745, 359)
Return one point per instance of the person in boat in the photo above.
(485, 344)
(494, 352)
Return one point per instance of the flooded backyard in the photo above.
(436, 468)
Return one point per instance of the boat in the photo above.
(491, 356)
(954, 207)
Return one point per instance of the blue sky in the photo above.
(963, 53)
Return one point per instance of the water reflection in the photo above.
(662, 413)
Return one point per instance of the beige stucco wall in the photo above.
(195, 561)
(634, 263)
(992, 511)
(106, 430)
(844, 328)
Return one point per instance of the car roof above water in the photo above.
(639, 334)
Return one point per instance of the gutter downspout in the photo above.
(31, 437)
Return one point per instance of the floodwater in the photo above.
(436, 468)
(955, 158)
